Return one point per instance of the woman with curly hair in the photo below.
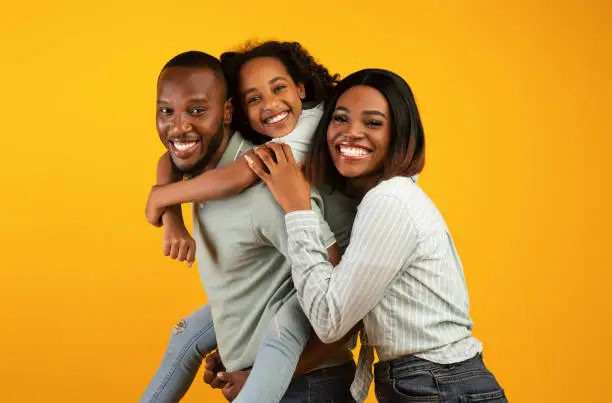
(277, 90)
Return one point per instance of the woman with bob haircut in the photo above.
(400, 274)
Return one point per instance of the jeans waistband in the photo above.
(385, 369)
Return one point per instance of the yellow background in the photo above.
(515, 99)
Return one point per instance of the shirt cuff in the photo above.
(301, 220)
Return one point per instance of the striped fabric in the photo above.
(400, 274)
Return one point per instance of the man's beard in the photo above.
(198, 167)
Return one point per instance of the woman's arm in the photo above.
(335, 300)
(383, 240)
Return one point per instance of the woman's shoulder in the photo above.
(400, 193)
(399, 187)
(402, 198)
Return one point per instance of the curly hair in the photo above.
(301, 66)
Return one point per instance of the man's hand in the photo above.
(230, 382)
(234, 383)
(177, 242)
(212, 367)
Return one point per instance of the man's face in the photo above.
(192, 114)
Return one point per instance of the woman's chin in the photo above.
(350, 171)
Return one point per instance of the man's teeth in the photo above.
(353, 151)
(184, 146)
(277, 118)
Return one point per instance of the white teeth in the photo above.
(353, 151)
(184, 146)
(277, 118)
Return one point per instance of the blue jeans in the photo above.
(412, 379)
(278, 355)
(194, 337)
(191, 340)
(327, 385)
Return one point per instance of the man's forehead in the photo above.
(189, 80)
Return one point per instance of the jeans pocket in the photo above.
(333, 386)
(416, 387)
(497, 396)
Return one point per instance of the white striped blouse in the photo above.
(400, 274)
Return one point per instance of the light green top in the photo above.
(253, 276)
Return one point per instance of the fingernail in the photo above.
(248, 159)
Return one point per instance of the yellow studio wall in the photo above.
(515, 99)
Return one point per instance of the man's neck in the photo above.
(216, 157)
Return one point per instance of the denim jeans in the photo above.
(412, 379)
(278, 355)
(194, 337)
(327, 385)
(191, 340)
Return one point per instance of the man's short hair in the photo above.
(194, 58)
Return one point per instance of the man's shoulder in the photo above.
(244, 144)
(266, 211)
(261, 202)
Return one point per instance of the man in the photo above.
(240, 243)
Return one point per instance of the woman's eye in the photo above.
(339, 118)
(373, 123)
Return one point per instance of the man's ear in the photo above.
(227, 112)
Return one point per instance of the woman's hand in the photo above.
(285, 177)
